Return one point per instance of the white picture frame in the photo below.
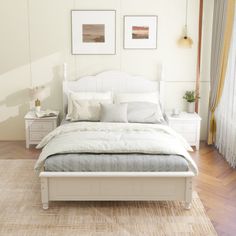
(140, 32)
(93, 32)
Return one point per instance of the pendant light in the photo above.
(185, 41)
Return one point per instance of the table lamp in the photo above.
(38, 94)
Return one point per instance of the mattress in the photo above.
(115, 163)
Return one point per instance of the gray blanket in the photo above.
(115, 162)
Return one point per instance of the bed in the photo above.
(149, 171)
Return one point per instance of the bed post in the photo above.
(44, 192)
(188, 193)
(161, 85)
(64, 89)
(65, 71)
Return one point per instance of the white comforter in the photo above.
(99, 137)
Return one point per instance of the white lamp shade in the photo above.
(38, 92)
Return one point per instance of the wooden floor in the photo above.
(215, 184)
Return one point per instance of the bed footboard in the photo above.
(116, 186)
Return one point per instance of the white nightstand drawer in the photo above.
(41, 126)
(190, 137)
(187, 127)
(37, 128)
(37, 136)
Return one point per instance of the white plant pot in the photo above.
(191, 107)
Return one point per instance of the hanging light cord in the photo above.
(186, 19)
(186, 13)
(185, 40)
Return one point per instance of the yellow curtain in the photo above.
(223, 66)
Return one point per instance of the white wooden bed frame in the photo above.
(114, 186)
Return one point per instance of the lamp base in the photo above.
(37, 108)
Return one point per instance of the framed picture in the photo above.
(93, 32)
(140, 32)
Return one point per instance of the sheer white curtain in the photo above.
(226, 111)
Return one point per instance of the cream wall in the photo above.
(35, 41)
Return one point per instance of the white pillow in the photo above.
(85, 110)
(114, 113)
(152, 97)
(105, 97)
(144, 112)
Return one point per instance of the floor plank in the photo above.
(215, 184)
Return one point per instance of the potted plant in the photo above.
(190, 97)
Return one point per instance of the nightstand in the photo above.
(36, 128)
(188, 125)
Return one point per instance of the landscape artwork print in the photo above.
(140, 32)
(93, 33)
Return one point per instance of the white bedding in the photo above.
(99, 137)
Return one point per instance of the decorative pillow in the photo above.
(152, 97)
(105, 97)
(113, 113)
(85, 110)
(144, 112)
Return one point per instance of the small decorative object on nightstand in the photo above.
(188, 125)
(190, 97)
(36, 128)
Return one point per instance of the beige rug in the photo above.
(21, 213)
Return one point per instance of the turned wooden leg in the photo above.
(197, 147)
(44, 192)
(188, 193)
(187, 205)
(45, 205)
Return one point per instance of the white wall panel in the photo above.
(36, 40)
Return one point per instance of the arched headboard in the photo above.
(115, 81)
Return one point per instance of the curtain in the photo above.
(221, 37)
(226, 111)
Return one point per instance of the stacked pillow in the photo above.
(114, 113)
(86, 105)
(151, 97)
(129, 107)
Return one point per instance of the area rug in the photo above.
(21, 212)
